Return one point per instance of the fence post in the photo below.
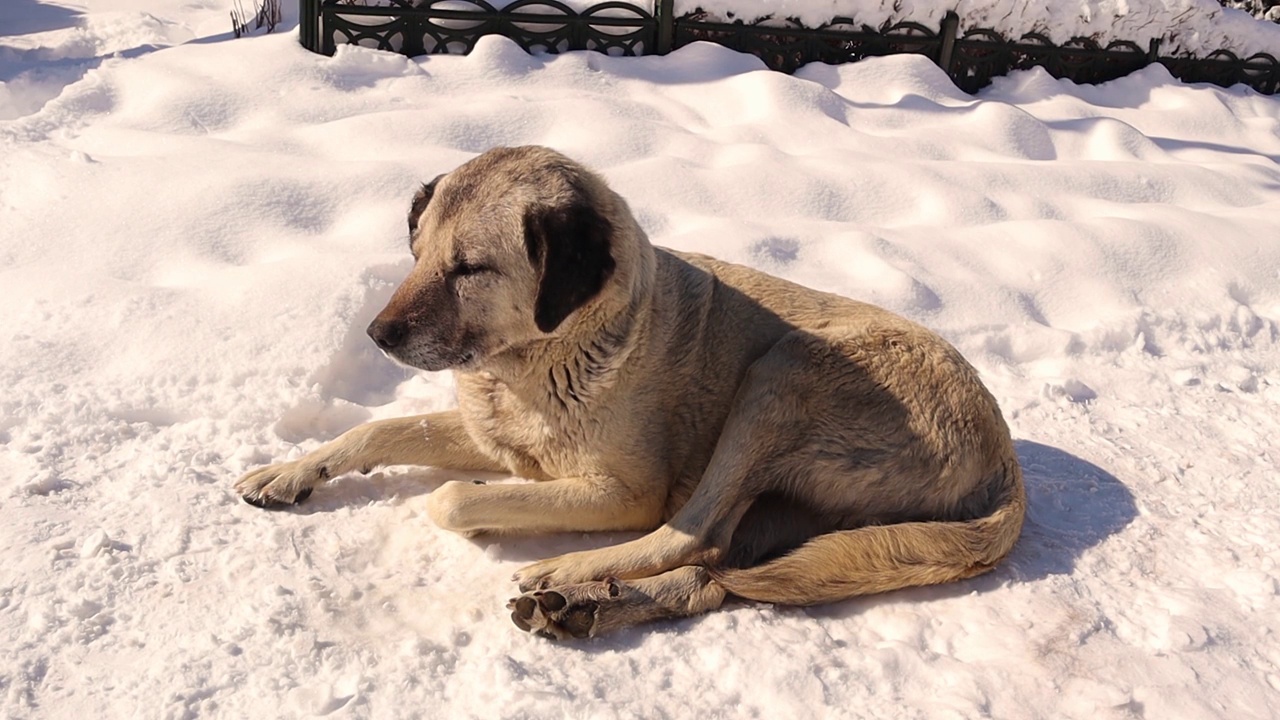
(309, 24)
(665, 10)
(415, 31)
(950, 30)
(577, 33)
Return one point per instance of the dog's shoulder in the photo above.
(742, 292)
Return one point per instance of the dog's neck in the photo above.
(574, 367)
(589, 364)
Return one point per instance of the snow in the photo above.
(1260, 9)
(192, 239)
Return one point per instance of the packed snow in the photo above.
(193, 238)
(1261, 9)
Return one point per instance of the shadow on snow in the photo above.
(23, 17)
(1072, 506)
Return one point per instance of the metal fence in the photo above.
(971, 59)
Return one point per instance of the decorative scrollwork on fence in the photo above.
(417, 27)
(981, 55)
(1223, 67)
(454, 26)
(789, 45)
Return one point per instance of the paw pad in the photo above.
(551, 615)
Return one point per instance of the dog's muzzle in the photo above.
(401, 342)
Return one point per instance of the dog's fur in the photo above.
(782, 444)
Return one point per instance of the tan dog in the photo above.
(782, 444)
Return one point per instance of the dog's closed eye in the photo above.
(464, 268)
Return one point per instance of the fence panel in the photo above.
(971, 60)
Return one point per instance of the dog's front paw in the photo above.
(281, 485)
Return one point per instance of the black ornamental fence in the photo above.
(971, 58)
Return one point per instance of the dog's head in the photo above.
(507, 248)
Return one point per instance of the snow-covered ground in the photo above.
(193, 238)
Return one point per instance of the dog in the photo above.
(776, 443)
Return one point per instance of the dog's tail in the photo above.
(880, 558)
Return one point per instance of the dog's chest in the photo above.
(534, 436)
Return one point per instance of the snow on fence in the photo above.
(971, 58)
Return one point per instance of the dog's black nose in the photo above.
(388, 334)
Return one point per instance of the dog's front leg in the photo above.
(582, 504)
(438, 439)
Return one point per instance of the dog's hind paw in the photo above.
(552, 615)
(576, 611)
(595, 608)
(279, 486)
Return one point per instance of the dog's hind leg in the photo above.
(438, 439)
(594, 608)
(756, 454)
(773, 526)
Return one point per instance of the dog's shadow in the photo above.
(1072, 506)
(404, 486)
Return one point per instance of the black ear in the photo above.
(571, 247)
(420, 202)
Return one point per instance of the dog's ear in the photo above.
(570, 245)
(421, 200)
